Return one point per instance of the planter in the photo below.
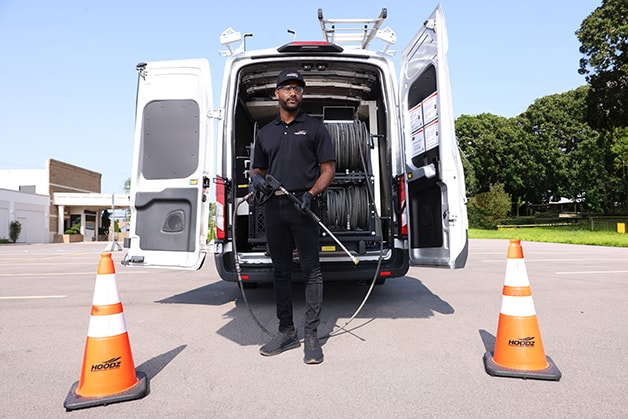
(72, 238)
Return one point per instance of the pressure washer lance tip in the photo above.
(355, 261)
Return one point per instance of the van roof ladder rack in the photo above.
(355, 32)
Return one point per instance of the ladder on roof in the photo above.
(354, 32)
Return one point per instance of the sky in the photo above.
(68, 79)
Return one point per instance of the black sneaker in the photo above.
(313, 351)
(280, 343)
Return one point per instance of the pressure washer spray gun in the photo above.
(276, 186)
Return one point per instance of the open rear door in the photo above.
(170, 180)
(435, 191)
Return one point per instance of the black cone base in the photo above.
(73, 401)
(550, 373)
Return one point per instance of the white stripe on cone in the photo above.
(517, 306)
(106, 290)
(106, 326)
(516, 273)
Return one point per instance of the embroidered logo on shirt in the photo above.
(302, 132)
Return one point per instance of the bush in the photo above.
(488, 209)
(15, 228)
(75, 229)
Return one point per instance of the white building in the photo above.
(49, 201)
(31, 210)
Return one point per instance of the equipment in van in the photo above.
(274, 183)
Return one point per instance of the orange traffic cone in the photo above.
(518, 347)
(108, 374)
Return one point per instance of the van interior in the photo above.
(349, 98)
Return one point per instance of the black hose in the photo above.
(237, 265)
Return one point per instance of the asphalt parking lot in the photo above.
(415, 350)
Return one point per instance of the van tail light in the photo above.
(221, 220)
(402, 206)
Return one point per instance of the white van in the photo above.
(398, 197)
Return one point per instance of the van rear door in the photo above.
(170, 180)
(434, 179)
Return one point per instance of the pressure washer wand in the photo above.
(276, 185)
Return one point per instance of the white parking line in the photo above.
(590, 272)
(66, 273)
(31, 297)
(536, 260)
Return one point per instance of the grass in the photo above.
(555, 235)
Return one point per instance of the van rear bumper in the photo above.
(396, 266)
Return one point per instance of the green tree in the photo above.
(487, 209)
(470, 179)
(480, 143)
(548, 152)
(105, 222)
(15, 228)
(618, 140)
(498, 150)
(604, 44)
(574, 155)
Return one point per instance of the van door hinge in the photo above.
(430, 24)
(216, 113)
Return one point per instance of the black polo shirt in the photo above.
(293, 152)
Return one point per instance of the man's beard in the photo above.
(285, 105)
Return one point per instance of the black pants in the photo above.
(287, 227)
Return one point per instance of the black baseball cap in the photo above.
(288, 75)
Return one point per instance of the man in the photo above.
(296, 149)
